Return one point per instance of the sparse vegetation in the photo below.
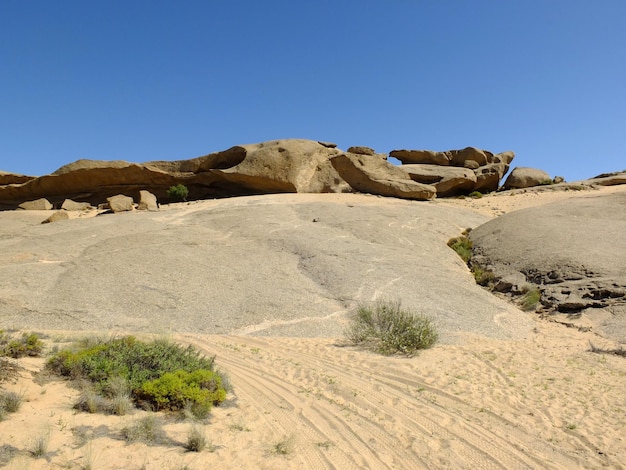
(10, 402)
(285, 446)
(178, 192)
(388, 329)
(159, 373)
(148, 429)
(475, 194)
(39, 445)
(463, 246)
(530, 297)
(197, 440)
(28, 344)
(483, 277)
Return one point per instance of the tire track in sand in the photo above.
(345, 413)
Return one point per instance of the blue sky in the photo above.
(165, 80)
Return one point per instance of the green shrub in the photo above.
(178, 192)
(531, 297)
(475, 194)
(483, 277)
(29, 344)
(174, 390)
(463, 246)
(123, 367)
(388, 329)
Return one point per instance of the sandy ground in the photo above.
(541, 402)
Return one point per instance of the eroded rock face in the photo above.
(13, 178)
(370, 174)
(70, 205)
(524, 177)
(447, 180)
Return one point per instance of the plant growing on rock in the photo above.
(178, 192)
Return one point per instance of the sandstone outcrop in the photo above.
(524, 177)
(13, 178)
(488, 169)
(278, 166)
(56, 216)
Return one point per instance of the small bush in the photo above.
(10, 402)
(483, 277)
(388, 329)
(475, 194)
(175, 390)
(463, 246)
(148, 430)
(178, 192)
(531, 297)
(29, 344)
(196, 440)
(39, 445)
(284, 447)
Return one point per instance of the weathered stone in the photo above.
(421, 156)
(70, 205)
(147, 201)
(369, 174)
(471, 164)
(121, 203)
(56, 216)
(558, 180)
(282, 166)
(523, 177)
(13, 178)
(41, 204)
(447, 180)
(488, 176)
(362, 150)
(459, 157)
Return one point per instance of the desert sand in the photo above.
(511, 391)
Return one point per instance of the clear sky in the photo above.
(142, 80)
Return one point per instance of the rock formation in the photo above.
(429, 167)
(278, 166)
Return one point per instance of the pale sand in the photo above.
(542, 402)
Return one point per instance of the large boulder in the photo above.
(488, 177)
(121, 203)
(447, 180)
(147, 201)
(370, 174)
(524, 177)
(56, 216)
(41, 204)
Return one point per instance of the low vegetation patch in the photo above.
(148, 429)
(389, 329)
(159, 374)
(531, 296)
(28, 344)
